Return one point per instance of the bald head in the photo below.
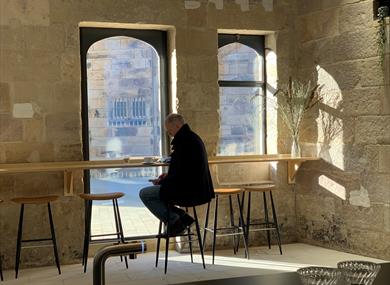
(173, 123)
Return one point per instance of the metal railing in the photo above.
(103, 254)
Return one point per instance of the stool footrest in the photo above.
(238, 231)
(39, 239)
(103, 235)
(37, 246)
(167, 236)
(262, 229)
(263, 224)
(108, 240)
(180, 241)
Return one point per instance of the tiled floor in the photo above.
(180, 269)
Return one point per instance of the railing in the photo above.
(103, 254)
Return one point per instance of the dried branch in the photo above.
(294, 100)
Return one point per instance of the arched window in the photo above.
(124, 92)
(241, 69)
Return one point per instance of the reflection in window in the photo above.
(123, 98)
(240, 118)
(239, 62)
(241, 81)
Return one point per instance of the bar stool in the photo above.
(35, 200)
(1, 268)
(267, 225)
(88, 199)
(233, 230)
(189, 235)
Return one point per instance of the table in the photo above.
(288, 278)
(69, 168)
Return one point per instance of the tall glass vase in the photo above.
(295, 147)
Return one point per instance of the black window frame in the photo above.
(158, 40)
(256, 42)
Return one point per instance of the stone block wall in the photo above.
(343, 202)
(40, 100)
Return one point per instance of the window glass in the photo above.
(240, 119)
(239, 62)
(241, 82)
(123, 99)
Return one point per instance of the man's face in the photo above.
(171, 128)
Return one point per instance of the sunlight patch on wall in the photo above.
(272, 77)
(332, 186)
(173, 70)
(359, 198)
(329, 121)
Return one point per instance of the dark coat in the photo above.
(188, 182)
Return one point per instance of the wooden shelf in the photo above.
(70, 167)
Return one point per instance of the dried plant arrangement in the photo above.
(293, 101)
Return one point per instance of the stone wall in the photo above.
(343, 202)
(40, 101)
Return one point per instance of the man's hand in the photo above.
(159, 179)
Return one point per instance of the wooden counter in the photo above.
(69, 167)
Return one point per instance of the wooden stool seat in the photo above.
(35, 199)
(260, 187)
(101, 197)
(227, 191)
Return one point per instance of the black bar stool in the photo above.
(35, 200)
(268, 225)
(234, 229)
(189, 235)
(1, 268)
(119, 237)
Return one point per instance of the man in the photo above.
(188, 182)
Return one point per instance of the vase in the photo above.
(314, 275)
(359, 272)
(295, 147)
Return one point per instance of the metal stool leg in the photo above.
(266, 218)
(189, 240)
(215, 225)
(232, 223)
(87, 233)
(1, 270)
(158, 242)
(276, 223)
(85, 228)
(199, 237)
(167, 243)
(239, 222)
(248, 217)
(206, 225)
(245, 236)
(19, 241)
(53, 238)
(118, 222)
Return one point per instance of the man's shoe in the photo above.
(187, 220)
(180, 225)
(177, 228)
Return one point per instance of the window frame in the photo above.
(256, 42)
(158, 40)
